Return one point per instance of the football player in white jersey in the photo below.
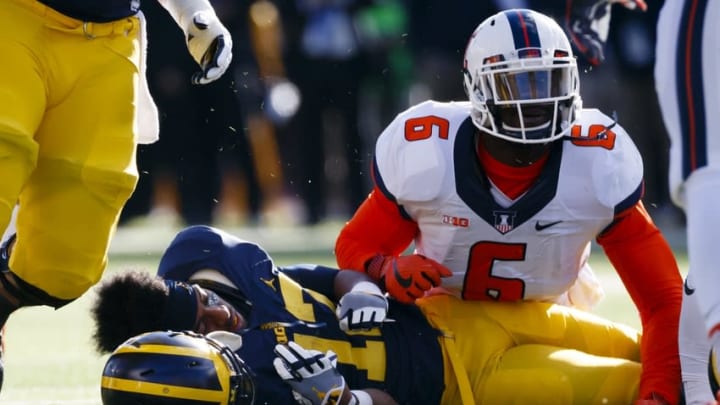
(685, 73)
(686, 69)
(503, 195)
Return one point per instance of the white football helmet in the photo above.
(521, 77)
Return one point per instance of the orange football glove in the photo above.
(406, 278)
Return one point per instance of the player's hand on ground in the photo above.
(210, 44)
(407, 278)
(362, 310)
(312, 375)
(587, 23)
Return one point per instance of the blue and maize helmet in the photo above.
(521, 78)
(175, 368)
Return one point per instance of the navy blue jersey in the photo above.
(403, 358)
(95, 10)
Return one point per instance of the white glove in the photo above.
(311, 374)
(362, 309)
(588, 23)
(208, 41)
(210, 44)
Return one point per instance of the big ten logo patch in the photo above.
(455, 221)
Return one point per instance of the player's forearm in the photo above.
(376, 228)
(661, 362)
(647, 267)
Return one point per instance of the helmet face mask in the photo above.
(521, 78)
(164, 368)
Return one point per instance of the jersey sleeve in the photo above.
(378, 227)
(413, 156)
(410, 161)
(646, 265)
(313, 276)
(616, 164)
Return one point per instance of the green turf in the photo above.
(50, 358)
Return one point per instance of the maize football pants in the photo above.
(67, 141)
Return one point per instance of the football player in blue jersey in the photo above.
(338, 323)
(74, 104)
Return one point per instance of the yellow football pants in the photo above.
(532, 353)
(67, 143)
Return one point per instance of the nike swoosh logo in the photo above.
(540, 227)
(688, 290)
(405, 282)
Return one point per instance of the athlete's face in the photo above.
(513, 153)
(214, 313)
(533, 116)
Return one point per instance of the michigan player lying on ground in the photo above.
(442, 350)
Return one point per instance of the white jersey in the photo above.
(688, 89)
(533, 247)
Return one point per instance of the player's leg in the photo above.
(86, 166)
(689, 97)
(539, 374)
(477, 335)
(702, 200)
(694, 348)
(22, 105)
(703, 195)
(73, 194)
(561, 326)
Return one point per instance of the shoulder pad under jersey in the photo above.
(603, 149)
(413, 155)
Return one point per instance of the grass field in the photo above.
(50, 358)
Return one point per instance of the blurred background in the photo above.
(285, 138)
